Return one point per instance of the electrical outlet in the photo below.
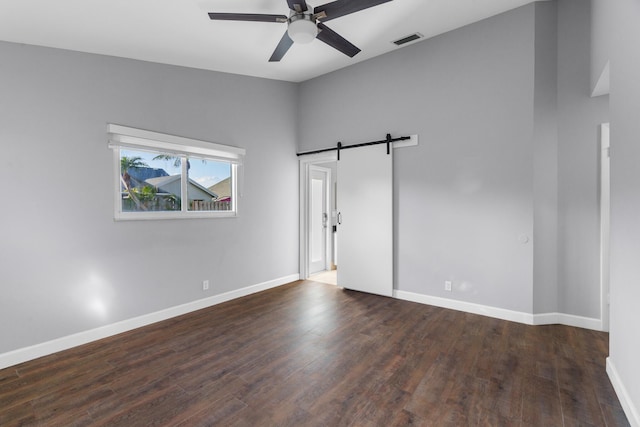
(205, 285)
(447, 285)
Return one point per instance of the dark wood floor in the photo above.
(313, 354)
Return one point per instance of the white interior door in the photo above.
(318, 219)
(365, 219)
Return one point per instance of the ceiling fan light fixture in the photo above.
(302, 28)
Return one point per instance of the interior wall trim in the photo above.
(467, 307)
(49, 347)
(631, 411)
(501, 313)
(567, 319)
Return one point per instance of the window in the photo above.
(164, 176)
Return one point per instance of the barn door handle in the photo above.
(339, 218)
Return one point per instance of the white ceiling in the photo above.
(180, 32)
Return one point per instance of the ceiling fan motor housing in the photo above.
(302, 28)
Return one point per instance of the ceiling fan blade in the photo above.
(282, 48)
(298, 5)
(336, 41)
(253, 17)
(340, 8)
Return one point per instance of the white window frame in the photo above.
(123, 137)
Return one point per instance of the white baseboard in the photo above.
(501, 313)
(567, 319)
(468, 307)
(33, 352)
(630, 410)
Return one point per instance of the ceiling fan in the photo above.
(303, 25)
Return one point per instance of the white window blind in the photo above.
(123, 136)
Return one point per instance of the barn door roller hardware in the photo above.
(339, 146)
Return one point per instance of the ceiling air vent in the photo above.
(407, 39)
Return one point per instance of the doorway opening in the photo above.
(318, 219)
(321, 220)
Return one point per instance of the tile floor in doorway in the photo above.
(328, 276)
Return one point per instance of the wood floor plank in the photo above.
(52, 409)
(311, 354)
(614, 415)
(8, 376)
(36, 385)
(21, 414)
(578, 391)
(157, 410)
(212, 415)
(541, 403)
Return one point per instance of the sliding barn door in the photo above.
(365, 229)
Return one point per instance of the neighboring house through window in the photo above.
(164, 176)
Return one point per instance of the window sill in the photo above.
(136, 216)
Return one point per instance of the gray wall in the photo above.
(601, 31)
(61, 253)
(465, 194)
(625, 196)
(545, 160)
(508, 148)
(579, 116)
